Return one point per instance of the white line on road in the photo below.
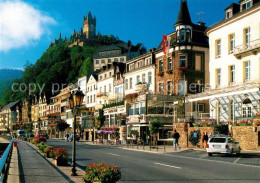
(236, 160)
(167, 165)
(113, 154)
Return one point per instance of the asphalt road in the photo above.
(172, 167)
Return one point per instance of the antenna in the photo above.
(200, 14)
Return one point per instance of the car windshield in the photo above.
(218, 140)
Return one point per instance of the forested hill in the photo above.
(10, 73)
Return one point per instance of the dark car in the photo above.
(70, 138)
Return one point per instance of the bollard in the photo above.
(164, 146)
(143, 145)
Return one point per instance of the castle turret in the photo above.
(89, 26)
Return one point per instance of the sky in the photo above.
(27, 27)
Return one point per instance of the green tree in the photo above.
(154, 129)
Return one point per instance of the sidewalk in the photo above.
(35, 168)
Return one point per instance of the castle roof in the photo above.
(184, 14)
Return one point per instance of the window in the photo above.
(110, 74)
(88, 100)
(231, 43)
(138, 79)
(198, 62)
(218, 77)
(105, 75)
(232, 73)
(131, 83)
(160, 87)
(116, 59)
(149, 77)
(182, 35)
(137, 108)
(218, 50)
(100, 89)
(109, 61)
(131, 67)
(131, 109)
(160, 66)
(246, 5)
(229, 14)
(102, 61)
(169, 63)
(91, 99)
(142, 107)
(97, 61)
(247, 70)
(94, 98)
(105, 89)
(100, 77)
(168, 87)
(247, 35)
(143, 78)
(247, 112)
(182, 60)
(148, 61)
(122, 59)
(110, 88)
(201, 108)
(126, 84)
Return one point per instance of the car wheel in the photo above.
(209, 154)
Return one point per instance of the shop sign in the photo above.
(181, 109)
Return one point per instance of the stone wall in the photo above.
(247, 138)
(183, 135)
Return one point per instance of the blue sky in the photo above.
(29, 26)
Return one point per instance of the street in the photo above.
(187, 166)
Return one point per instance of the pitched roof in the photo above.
(184, 14)
(11, 104)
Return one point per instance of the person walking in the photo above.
(206, 138)
(176, 137)
(67, 136)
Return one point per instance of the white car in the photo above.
(222, 145)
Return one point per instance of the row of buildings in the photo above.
(215, 70)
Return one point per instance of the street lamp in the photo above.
(75, 101)
(39, 128)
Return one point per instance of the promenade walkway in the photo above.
(34, 168)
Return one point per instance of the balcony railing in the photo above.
(251, 47)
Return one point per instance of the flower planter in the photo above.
(60, 161)
(242, 124)
(204, 126)
(234, 125)
(214, 125)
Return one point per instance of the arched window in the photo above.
(247, 108)
(182, 35)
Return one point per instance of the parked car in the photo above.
(20, 133)
(41, 139)
(70, 138)
(222, 144)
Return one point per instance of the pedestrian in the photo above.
(206, 138)
(67, 136)
(202, 140)
(176, 137)
(210, 136)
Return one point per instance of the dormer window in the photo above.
(184, 35)
(246, 5)
(228, 14)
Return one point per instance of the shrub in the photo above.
(42, 147)
(48, 150)
(24, 138)
(101, 173)
(35, 141)
(194, 137)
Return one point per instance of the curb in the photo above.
(14, 171)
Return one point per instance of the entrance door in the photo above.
(87, 135)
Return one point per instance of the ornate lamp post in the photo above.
(75, 101)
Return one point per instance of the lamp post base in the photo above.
(74, 172)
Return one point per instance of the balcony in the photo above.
(102, 94)
(140, 87)
(251, 48)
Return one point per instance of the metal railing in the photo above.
(247, 47)
(5, 162)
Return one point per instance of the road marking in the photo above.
(167, 165)
(113, 154)
(236, 160)
(203, 156)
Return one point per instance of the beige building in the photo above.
(235, 64)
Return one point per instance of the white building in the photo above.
(235, 63)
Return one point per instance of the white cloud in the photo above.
(21, 24)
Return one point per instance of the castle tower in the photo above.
(89, 26)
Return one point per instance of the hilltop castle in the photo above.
(87, 34)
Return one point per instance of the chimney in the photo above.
(150, 50)
(202, 24)
(153, 49)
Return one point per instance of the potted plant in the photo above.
(101, 173)
(60, 156)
